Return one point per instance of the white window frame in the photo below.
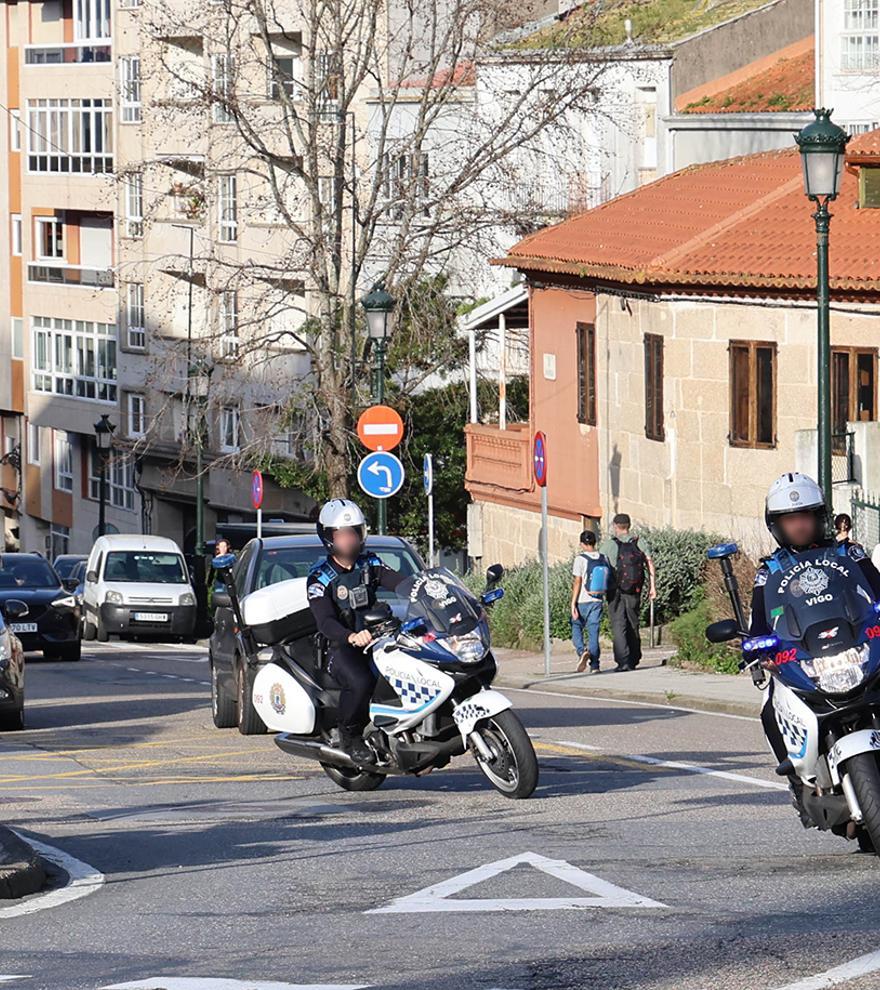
(63, 449)
(70, 136)
(118, 475)
(227, 208)
(860, 37)
(134, 204)
(54, 238)
(222, 68)
(136, 333)
(230, 427)
(34, 440)
(136, 411)
(129, 4)
(76, 358)
(16, 234)
(131, 109)
(327, 71)
(15, 130)
(289, 81)
(227, 315)
(400, 171)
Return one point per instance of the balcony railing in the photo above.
(67, 53)
(80, 275)
(499, 458)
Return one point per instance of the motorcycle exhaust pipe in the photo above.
(312, 749)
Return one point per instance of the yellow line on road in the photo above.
(17, 778)
(49, 753)
(135, 782)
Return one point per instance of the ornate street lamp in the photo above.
(822, 146)
(198, 386)
(379, 305)
(103, 442)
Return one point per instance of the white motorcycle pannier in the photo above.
(279, 612)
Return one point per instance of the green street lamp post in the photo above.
(822, 146)
(103, 442)
(379, 305)
(198, 384)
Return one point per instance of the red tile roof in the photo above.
(738, 224)
(864, 147)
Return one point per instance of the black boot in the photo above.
(353, 745)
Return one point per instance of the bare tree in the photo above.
(338, 141)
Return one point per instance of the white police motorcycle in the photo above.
(432, 700)
(820, 670)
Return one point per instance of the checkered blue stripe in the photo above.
(412, 695)
(795, 735)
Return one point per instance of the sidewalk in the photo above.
(651, 682)
(20, 869)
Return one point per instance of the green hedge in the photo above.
(688, 632)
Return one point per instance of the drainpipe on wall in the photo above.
(472, 371)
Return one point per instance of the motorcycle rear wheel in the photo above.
(513, 771)
(350, 779)
(865, 775)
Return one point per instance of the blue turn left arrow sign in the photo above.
(381, 474)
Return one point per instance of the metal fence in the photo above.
(843, 459)
(866, 520)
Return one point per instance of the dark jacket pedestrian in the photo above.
(632, 567)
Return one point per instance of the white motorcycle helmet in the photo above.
(340, 513)
(794, 492)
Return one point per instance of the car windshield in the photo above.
(65, 566)
(821, 601)
(439, 597)
(145, 567)
(26, 572)
(284, 563)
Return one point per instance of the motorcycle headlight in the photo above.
(469, 648)
(114, 597)
(187, 598)
(839, 673)
(64, 601)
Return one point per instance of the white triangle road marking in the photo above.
(220, 983)
(9, 979)
(438, 897)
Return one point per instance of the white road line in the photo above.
(869, 963)
(740, 778)
(82, 881)
(218, 983)
(9, 979)
(640, 704)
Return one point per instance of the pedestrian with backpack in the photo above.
(591, 577)
(630, 559)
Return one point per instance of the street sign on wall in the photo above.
(380, 428)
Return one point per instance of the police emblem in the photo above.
(277, 700)
(813, 581)
(342, 592)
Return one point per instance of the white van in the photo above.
(137, 584)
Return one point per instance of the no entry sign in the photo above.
(380, 428)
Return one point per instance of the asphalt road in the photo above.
(223, 858)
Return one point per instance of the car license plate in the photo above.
(150, 616)
(25, 627)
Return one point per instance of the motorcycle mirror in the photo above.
(494, 574)
(488, 597)
(721, 551)
(415, 627)
(723, 631)
(224, 561)
(380, 612)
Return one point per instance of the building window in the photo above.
(404, 177)
(228, 318)
(134, 205)
(92, 20)
(129, 4)
(63, 462)
(229, 422)
(15, 130)
(59, 539)
(119, 479)
(860, 38)
(221, 75)
(134, 315)
(853, 390)
(328, 71)
(282, 76)
(15, 220)
(137, 418)
(752, 393)
(70, 136)
(74, 357)
(17, 337)
(586, 372)
(50, 238)
(33, 444)
(130, 89)
(654, 426)
(227, 208)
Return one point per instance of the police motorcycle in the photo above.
(819, 669)
(433, 699)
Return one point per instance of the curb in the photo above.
(20, 870)
(553, 685)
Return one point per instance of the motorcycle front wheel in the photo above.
(350, 779)
(513, 768)
(865, 776)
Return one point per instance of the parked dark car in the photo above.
(11, 672)
(51, 621)
(264, 562)
(66, 563)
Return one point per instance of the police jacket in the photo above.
(339, 596)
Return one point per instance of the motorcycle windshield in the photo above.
(439, 597)
(820, 602)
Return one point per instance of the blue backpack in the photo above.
(598, 576)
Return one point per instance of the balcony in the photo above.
(68, 53)
(499, 459)
(74, 275)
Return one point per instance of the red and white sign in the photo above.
(380, 428)
(257, 489)
(539, 459)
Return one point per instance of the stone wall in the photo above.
(509, 536)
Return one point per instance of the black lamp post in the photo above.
(379, 305)
(198, 384)
(822, 145)
(103, 442)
